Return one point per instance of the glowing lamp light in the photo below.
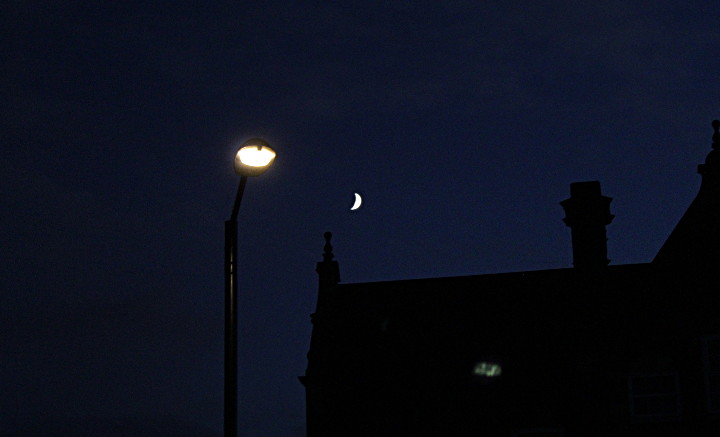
(254, 157)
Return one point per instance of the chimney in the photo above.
(710, 170)
(587, 212)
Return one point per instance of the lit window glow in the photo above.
(256, 155)
(489, 370)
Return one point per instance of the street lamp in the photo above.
(252, 159)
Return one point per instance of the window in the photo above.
(711, 358)
(487, 370)
(538, 432)
(654, 396)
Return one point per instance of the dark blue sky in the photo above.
(462, 123)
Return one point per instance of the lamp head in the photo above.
(254, 157)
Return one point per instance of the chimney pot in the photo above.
(587, 212)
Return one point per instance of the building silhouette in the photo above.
(593, 350)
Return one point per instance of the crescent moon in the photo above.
(358, 202)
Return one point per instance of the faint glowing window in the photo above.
(654, 396)
(487, 369)
(711, 358)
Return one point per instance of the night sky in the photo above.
(461, 123)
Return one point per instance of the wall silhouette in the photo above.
(593, 350)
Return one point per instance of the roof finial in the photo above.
(716, 135)
(328, 253)
(327, 269)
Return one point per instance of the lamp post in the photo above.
(252, 159)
